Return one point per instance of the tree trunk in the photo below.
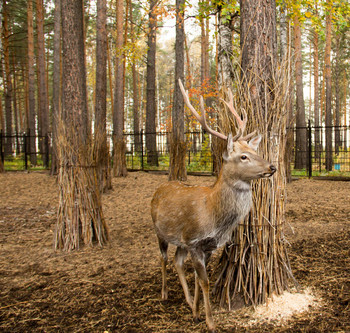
(283, 33)
(204, 45)
(101, 148)
(345, 136)
(8, 81)
(110, 79)
(151, 109)
(80, 219)
(56, 86)
(43, 106)
(329, 153)
(225, 75)
(256, 263)
(2, 120)
(15, 108)
(337, 80)
(31, 85)
(135, 89)
(286, 56)
(225, 53)
(300, 143)
(177, 168)
(316, 96)
(119, 161)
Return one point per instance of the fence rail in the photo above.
(23, 151)
(312, 158)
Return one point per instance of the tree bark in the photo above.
(101, 148)
(316, 94)
(225, 74)
(256, 37)
(135, 89)
(225, 52)
(31, 84)
(42, 84)
(329, 145)
(56, 86)
(15, 101)
(337, 71)
(8, 81)
(151, 109)
(177, 169)
(300, 144)
(119, 165)
(283, 33)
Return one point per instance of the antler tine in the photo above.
(201, 118)
(241, 123)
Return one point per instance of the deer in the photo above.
(200, 219)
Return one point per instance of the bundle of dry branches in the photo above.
(80, 219)
(256, 264)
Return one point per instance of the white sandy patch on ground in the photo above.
(283, 307)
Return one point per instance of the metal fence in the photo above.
(17, 154)
(24, 151)
(320, 158)
(198, 159)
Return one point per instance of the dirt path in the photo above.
(117, 288)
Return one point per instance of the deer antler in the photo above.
(201, 118)
(242, 123)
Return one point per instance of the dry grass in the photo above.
(80, 218)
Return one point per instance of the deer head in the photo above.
(241, 160)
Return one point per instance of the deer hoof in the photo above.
(164, 295)
(197, 320)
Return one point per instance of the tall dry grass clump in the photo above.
(256, 263)
(80, 218)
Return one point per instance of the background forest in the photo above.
(313, 36)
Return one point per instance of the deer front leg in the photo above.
(180, 256)
(198, 258)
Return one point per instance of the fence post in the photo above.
(310, 149)
(142, 149)
(26, 137)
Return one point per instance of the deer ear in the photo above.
(229, 147)
(254, 143)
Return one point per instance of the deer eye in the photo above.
(244, 157)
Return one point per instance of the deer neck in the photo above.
(233, 195)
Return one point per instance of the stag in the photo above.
(200, 219)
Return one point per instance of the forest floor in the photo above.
(117, 288)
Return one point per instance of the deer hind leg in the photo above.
(199, 258)
(195, 309)
(163, 247)
(180, 257)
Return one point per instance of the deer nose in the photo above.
(273, 169)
